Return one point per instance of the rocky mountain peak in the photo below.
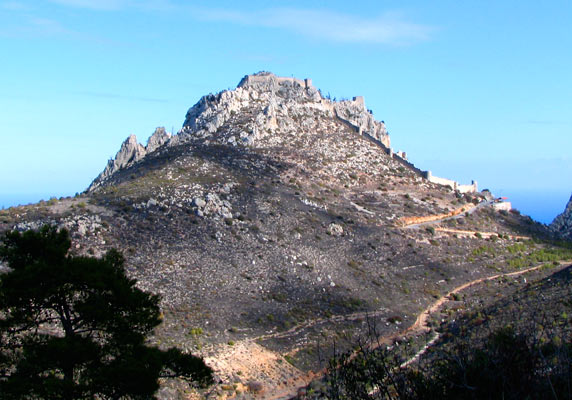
(263, 111)
(272, 105)
(562, 224)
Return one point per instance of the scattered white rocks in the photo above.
(32, 225)
(313, 203)
(78, 225)
(335, 229)
(212, 205)
(83, 225)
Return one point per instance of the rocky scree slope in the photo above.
(268, 210)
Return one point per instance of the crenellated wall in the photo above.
(472, 188)
(249, 80)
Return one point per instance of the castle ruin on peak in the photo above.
(264, 78)
(265, 111)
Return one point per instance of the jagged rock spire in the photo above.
(157, 139)
(129, 153)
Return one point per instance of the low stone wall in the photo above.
(472, 188)
(441, 181)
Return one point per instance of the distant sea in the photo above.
(542, 206)
(11, 200)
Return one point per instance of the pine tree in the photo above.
(75, 327)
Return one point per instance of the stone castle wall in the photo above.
(401, 157)
(364, 127)
(249, 80)
(472, 188)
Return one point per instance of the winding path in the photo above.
(419, 326)
(414, 222)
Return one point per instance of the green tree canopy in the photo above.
(75, 327)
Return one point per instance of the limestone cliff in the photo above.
(355, 112)
(562, 224)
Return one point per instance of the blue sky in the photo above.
(470, 90)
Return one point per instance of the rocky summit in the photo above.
(273, 223)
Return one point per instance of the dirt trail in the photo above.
(486, 235)
(282, 380)
(308, 324)
(414, 221)
(421, 321)
(265, 373)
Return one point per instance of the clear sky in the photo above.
(469, 89)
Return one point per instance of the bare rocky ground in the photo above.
(265, 248)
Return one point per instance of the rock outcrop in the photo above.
(562, 224)
(157, 139)
(355, 113)
(276, 105)
(130, 152)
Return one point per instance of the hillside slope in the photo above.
(276, 210)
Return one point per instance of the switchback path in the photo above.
(418, 327)
(281, 380)
(420, 324)
(423, 318)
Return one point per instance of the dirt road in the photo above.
(283, 380)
